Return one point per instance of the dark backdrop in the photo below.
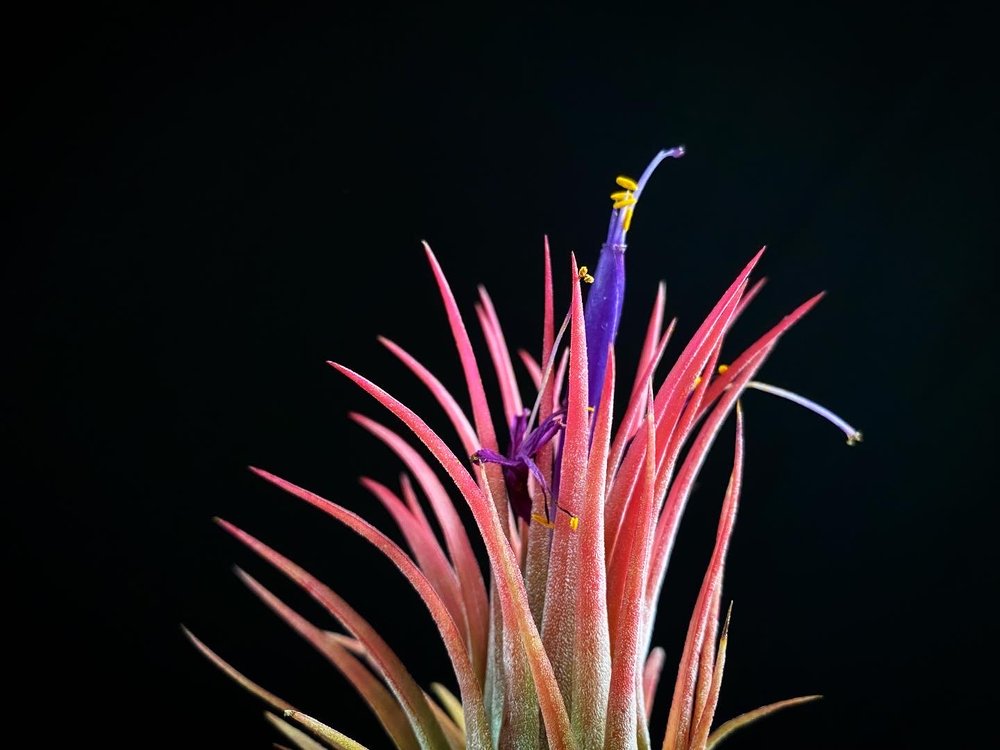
(202, 205)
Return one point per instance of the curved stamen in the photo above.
(853, 436)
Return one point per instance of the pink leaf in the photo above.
(509, 583)
(622, 716)
(470, 442)
(428, 553)
(651, 677)
(455, 537)
(558, 626)
(679, 724)
(407, 692)
(496, 343)
(474, 382)
(592, 660)
(370, 688)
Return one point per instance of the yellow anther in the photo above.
(590, 409)
(627, 220)
(475, 459)
(697, 382)
(618, 195)
(628, 200)
(626, 182)
(540, 519)
(574, 520)
(855, 438)
(585, 276)
(723, 369)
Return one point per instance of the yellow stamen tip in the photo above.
(627, 220)
(540, 519)
(628, 200)
(854, 439)
(626, 182)
(619, 194)
(574, 523)
(475, 459)
(723, 369)
(590, 409)
(697, 382)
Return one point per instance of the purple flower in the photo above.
(520, 460)
(604, 301)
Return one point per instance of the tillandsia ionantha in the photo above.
(578, 517)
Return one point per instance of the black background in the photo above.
(203, 204)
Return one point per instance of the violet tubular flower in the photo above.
(520, 461)
(551, 645)
(607, 292)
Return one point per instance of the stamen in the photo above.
(590, 409)
(585, 276)
(697, 382)
(628, 200)
(574, 520)
(627, 219)
(619, 194)
(475, 459)
(723, 369)
(542, 520)
(853, 436)
(626, 182)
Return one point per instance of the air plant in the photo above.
(552, 647)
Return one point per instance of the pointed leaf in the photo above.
(704, 723)
(558, 619)
(407, 692)
(510, 394)
(269, 698)
(481, 416)
(451, 704)
(623, 707)
(469, 685)
(385, 707)
(509, 583)
(679, 723)
(331, 735)
(592, 662)
(455, 537)
(751, 716)
(470, 442)
(651, 677)
(296, 736)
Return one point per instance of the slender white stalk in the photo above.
(853, 436)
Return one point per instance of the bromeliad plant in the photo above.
(578, 517)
